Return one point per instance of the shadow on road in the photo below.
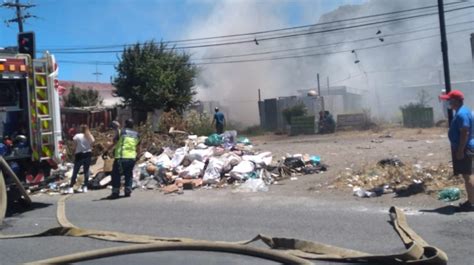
(109, 199)
(446, 210)
(15, 208)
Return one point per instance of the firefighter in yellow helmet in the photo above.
(125, 154)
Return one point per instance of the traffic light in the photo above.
(26, 43)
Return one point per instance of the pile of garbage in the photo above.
(393, 176)
(176, 162)
(217, 161)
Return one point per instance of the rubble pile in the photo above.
(176, 162)
(393, 176)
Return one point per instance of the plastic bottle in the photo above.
(449, 194)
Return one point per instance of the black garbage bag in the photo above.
(100, 181)
(293, 162)
(395, 162)
(314, 169)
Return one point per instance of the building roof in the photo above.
(105, 90)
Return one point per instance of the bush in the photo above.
(423, 100)
(78, 97)
(295, 111)
(412, 106)
(171, 119)
(199, 123)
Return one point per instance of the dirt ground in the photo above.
(352, 150)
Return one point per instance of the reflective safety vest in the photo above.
(126, 146)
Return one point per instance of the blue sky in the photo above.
(80, 23)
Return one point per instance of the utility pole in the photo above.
(444, 49)
(327, 79)
(319, 87)
(97, 73)
(20, 17)
(472, 46)
(319, 93)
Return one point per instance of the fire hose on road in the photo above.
(283, 250)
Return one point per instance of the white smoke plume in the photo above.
(380, 71)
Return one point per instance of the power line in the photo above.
(296, 49)
(329, 53)
(289, 57)
(330, 44)
(252, 40)
(419, 29)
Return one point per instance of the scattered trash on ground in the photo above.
(393, 176)
(377, 141)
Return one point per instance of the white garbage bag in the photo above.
(201, 154)
(192, 171)
(240, 171)
(168, 152)
(162, 160)
(262, 159)
(201, 139)
(213, 170)
(201, 146)
(229, 136)
(178, 156)
(230, 161)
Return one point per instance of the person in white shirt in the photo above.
(83, 149)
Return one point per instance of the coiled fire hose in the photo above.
(283, 250)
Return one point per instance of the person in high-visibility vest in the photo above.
(125, 154)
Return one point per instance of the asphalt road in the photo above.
(223, 215)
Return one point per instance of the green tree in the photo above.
(152, 76)
(82, 97)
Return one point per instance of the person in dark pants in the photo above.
(460, 137)
(326, 122)
(219, 120)
(126, 150)
(83, 149)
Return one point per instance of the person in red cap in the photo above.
(460, 137)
